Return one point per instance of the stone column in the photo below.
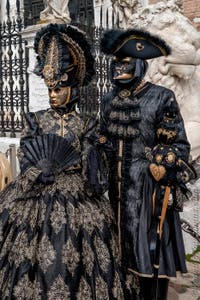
(106, 6)
(38, 92)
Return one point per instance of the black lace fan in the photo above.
(50, 151)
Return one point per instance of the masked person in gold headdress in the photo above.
(148, 169)
(56, 239)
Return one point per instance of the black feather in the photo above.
(76, 35)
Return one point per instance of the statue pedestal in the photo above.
(38, 92)
(51, 20)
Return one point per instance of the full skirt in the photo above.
(57, 243)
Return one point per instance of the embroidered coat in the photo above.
(130, 120)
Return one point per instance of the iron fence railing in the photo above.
(14, 61)
(13, 74)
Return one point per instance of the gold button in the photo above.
(102, 139)
(170, 157)
(159, 158)
(124, 93)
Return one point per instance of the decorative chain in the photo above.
(187, 227)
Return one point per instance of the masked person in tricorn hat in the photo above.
(56, 239)
(149, 168)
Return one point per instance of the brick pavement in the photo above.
(187, 286)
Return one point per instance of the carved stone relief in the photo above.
(56, 11)
(181, 70)
(123, 9)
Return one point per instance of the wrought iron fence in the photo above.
(93, 94)
(14, 89)
(13, 74)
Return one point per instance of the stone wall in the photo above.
(190, 8)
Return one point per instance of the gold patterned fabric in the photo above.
(56, 241)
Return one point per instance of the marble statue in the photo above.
(181, 70)
(55, 11)
(123, 9)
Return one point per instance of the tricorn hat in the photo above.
(133, 43)
(63, 56)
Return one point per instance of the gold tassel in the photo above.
(164, 209)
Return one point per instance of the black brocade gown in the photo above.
(56, 240)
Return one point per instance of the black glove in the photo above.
(47, 175)
(46, 178)
(163, 165)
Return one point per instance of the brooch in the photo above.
(102, 139)
(124, 94)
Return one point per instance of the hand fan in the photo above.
(50, 149)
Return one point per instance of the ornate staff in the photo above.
(171, 174)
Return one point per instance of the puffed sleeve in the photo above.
(105, 109)
(169, 158)
(94, 159)
(28, 175)
(30, 130)
(170, 125)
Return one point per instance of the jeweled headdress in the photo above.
(64, 56)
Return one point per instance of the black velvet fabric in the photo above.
(122, 43)
(148, 291)
(138, 184)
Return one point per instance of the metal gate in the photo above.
(14, 89)
(13, 74)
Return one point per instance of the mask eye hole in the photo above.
(57, 90)
(126, 59)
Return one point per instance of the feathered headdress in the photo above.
(64, 56)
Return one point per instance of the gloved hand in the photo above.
(47, 175)
(46, 178)
(163, 166)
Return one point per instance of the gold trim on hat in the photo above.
(132, 37)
